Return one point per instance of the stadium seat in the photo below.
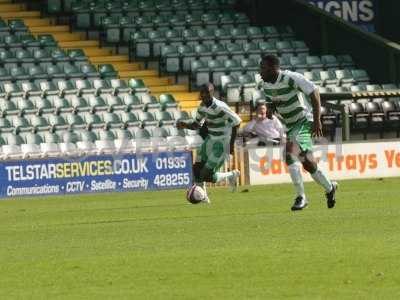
(298, 62)
(199, 72)
(329, 78)
(39, 123)
(50, 149)
(79, 104)
(75, 121)
(345, 78)
(187, 54)
(314, 63)
(314, 76)
(170, 59)
(107, 71)
(21, 124)
(115, 103)
(57, 122)
(164, 118)
(120, 87)
(232, 88)
(359, 118)
(248, 86)
(330, 61)
(89, 71)
(215, 70)
(83, 86)
(203, 52)
(346, 61)
(132, 102)
(111, 120)
(167, 101)
(268, 48)
(130, 119)
(96, 103)
(101, 86)
(252, 50)
(5, 125)
(147, 119)
(360, 76)
(300, 47)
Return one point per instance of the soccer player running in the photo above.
(222, 124)
(284, 90)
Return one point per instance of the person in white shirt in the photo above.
(265, 126)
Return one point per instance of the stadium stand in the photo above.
(60, 94)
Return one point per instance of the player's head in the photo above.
(207, 93)
(262, 111)
(269, 68)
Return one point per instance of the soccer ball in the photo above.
(195, 194)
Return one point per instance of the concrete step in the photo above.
(170, 88)
(36, 22)
(110, 59)
(7, 7)
(187, 96)
(153, 81)
(94, 51)
(75, 42)
(20, 15)
(50, 29)
(121, 66)
(65, 36)
(139, 74)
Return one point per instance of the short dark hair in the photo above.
(271, 59)
(207, 88)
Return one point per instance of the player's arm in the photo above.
(235, 121)
(316, 104)
(311, 90)
(192, 124)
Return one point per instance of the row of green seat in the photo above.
(212, 70)
(77, 86)
(339, 77)
(117, 30)
(149, 44)
(19, 56)
(27, 41)
(55, 104)
(74, 136)
(104, 120)
(12, 26)
(294, 55)
(88, 14)
(64, 70)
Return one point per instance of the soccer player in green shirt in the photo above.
(222, 124)
(287, 92)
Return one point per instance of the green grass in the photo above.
(247, 245)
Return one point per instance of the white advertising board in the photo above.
(341, 161)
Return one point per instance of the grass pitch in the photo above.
(247, 245)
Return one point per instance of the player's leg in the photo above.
(200, 174)
(291, 153)
(307, 159)
(319, 177)
(218, 154)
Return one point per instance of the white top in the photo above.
(219, 118)
(305, 85)
(290, 95)
(266, 129)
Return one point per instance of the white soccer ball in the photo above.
(195, 194)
